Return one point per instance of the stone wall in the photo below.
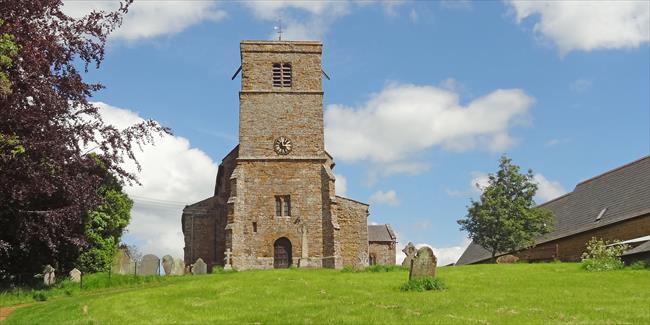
(384, 252)
(352, 218)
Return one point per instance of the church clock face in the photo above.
(282, 146)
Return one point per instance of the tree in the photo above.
(49, 182)
(8, 49)
(505, 218)
(104, 226)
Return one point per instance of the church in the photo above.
(274, 203)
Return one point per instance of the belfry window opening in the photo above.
(282, 74)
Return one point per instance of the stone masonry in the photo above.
(269, 208)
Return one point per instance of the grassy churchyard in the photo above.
(485, 294)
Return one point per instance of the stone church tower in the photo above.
(274, 203)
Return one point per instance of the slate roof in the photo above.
(382, 233)
(643, 248)
(624, 192)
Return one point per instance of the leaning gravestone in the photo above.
(168, 264)
(424, 264)
(410, 251)
(75, 275)
(178, 267)
(123, 264)
(507, 259)
(48, 275)
(199, 267)
(149, 265)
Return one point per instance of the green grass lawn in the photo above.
(486, 294)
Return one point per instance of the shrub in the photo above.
(603, 255)
(221, 270)
(39, 295)
(423, 284)
(639, 265)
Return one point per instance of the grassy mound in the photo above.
(503, 294)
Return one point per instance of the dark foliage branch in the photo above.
(49, 182)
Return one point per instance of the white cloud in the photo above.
(556, 141)
(445, 255)
(173, 175)
(301, 20)
(413, 16)
(402, 120)
(547, 189)
(341, 185)
(588, 25)
(147, 19)
(381, 197)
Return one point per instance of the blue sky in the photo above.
(437, 91)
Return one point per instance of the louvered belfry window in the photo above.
(282, 74)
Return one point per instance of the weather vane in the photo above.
(279, 29)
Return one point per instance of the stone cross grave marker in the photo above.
(168, 264)
(424, 264)
(48, 275)
(410, 251)
(149, 265)
(199, 267)
(75, 275)
(227, 265)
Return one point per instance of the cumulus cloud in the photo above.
(301, 20)
(402, 120)
(546, 189)
(388, 197)
(147, 19)
(341, 185)
(445, 255)
(587, 25)
(173, 174)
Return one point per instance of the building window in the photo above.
(282, 74)
(254, 226)
(283, 206)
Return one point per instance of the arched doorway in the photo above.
(282, 253)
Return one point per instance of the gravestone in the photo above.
(75, 275)
(424, 264)
(363, 261)
(168, 264)
(507, 259)
(178, 267)
(48, 275)
(410, 251)
(149, 265)
(199, 267)
(123, 264)
(227, 259)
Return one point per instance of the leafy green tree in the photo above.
(505, 218)
(8, 50)
(104, 226)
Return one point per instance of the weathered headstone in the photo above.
(199, 267)
(123, 264)
(410, 251)
(48, 275)
(75, 275)
(149, 265)
(507, 259)
(168, 264)
(424, 264)
(179, 267)
(363, 261)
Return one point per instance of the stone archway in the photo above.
(282, 253)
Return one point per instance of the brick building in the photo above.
(274, 202)
(612, 206)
